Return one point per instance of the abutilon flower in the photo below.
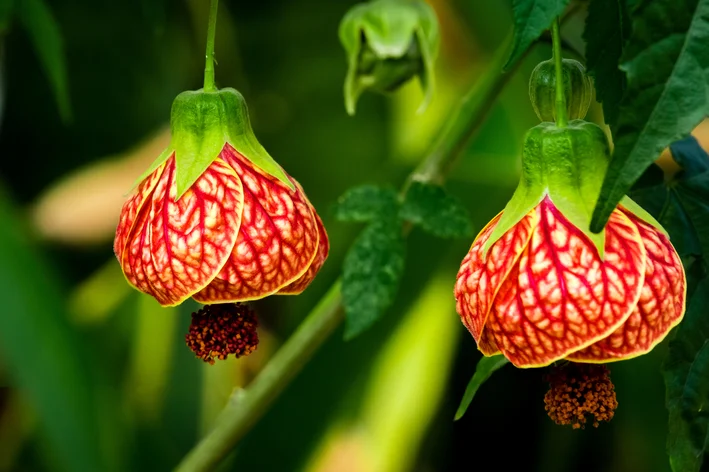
(216, 218)
(537, 286)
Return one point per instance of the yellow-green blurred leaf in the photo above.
(151, 357)
(42, 354)
(97, 297)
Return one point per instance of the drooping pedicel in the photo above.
(216, 218)
(537, 286)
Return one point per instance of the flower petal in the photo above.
(481, 275)
(561, 297)
(659, 309)
(296, 287)
(177, 247)
(277, 242)
(129, 212)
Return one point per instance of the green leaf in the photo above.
(436, 211)
(366, 203)
(682, 204)
(682, 207)
(686, 374)
(371, 274)
(667, 65)
(46, 38)
(44, 357)
(485, 368)
(531, 19)
(607, 29)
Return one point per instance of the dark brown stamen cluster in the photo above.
(223, 329)
(578, 392)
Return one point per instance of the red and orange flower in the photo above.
(537, 287)
(215, 218)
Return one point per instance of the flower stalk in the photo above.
(209, 85)
(561, 118)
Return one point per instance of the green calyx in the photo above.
(576, 85)
(201, 123)
(388, 42)
(568, 165)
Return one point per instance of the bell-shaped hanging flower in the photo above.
(537, 286)
(215, 218)
(388, 42)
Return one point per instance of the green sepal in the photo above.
(388, 42)
(566, 164)
(153, 167)
(201, 123)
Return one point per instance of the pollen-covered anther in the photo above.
(222, 329)
(579, 392)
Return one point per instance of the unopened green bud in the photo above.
(577, 90)
(388, 42)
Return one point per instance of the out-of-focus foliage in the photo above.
(388, 42)
(42, 28)
(43, 354)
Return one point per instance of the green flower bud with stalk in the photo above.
(388, 42)
(215, 218)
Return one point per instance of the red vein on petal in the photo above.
(297, 286)
(133, 217)
(481, 275)
(130, 210)
(543, 312)
(660, 307)
(277, 241)
(183, 244)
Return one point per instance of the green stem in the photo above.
(247, 406)
(466, 121)
(561, 118)
(209, 57)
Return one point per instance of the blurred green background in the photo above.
(95, 376)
